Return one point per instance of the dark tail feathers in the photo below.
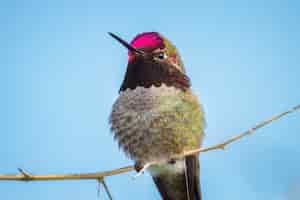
(185, 186)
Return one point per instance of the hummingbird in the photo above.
(156, 116)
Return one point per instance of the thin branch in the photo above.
(25, 176)
(106, 189)
(51, 177)
(242, 134)
(187, 186)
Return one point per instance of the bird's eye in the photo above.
(161, 55)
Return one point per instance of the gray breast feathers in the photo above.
(144, 120)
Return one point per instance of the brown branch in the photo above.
(51, 177)
(242, 134)
(25, 176)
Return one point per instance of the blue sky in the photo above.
(60, 74)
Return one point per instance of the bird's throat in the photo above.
(149, 72)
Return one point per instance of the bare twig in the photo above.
(98, 188)
(51, 177)
(242, 134)
(106, 189)
(25, 176)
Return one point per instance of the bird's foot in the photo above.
(141, 168)
(138, 166)
(172, 161)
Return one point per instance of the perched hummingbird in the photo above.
(157, 117)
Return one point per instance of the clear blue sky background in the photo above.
(60, 73)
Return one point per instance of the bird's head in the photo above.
(153, 60)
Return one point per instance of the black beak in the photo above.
(126, 44)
